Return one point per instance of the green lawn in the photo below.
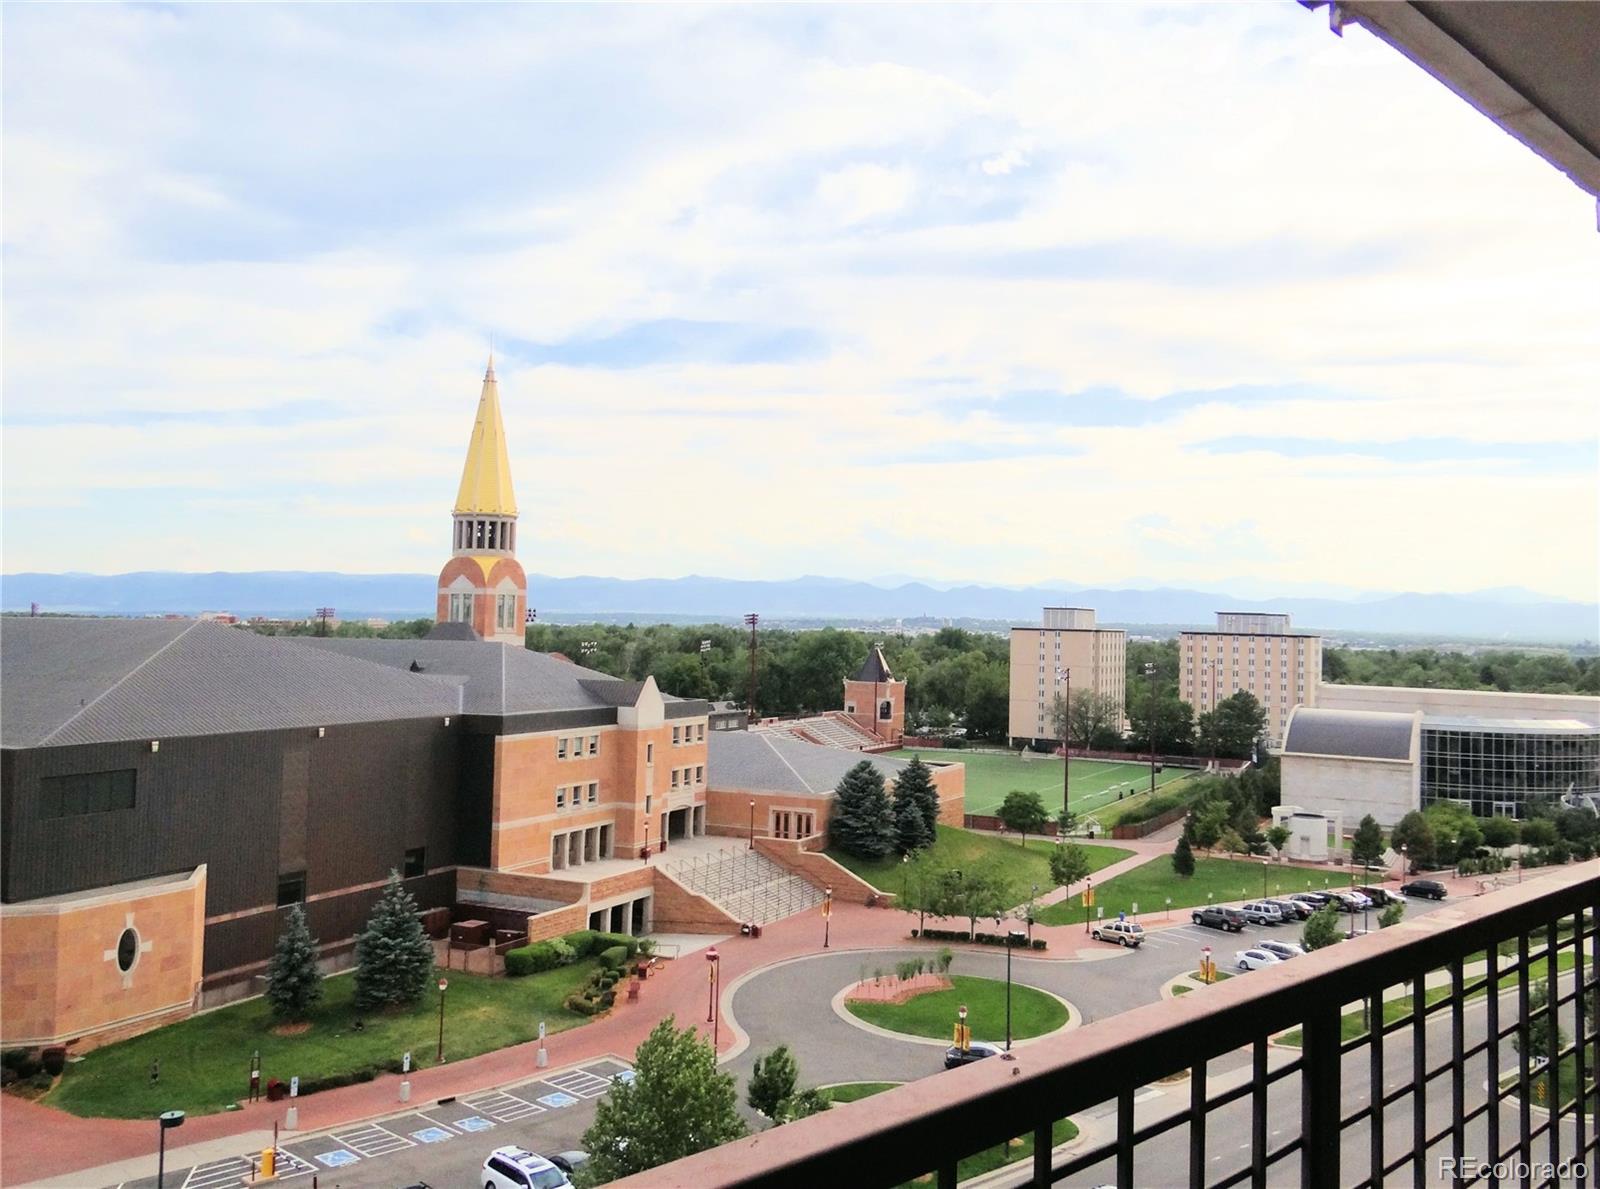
(205, 1060)
(964, 848)
(1567, 1073)
(854, 1091)
(1095, 783)
(1033, 1013)
(1222, 880)
(985, 1161)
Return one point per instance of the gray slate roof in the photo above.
(874, 668)
(759, 762)
(76, 681)
(1363, 734)
(495, 679)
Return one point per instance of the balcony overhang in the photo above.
(1530, 67)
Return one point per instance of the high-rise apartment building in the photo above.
(1067, 649)
(1255, 652)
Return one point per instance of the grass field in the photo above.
(205, 1059)
(1214, 881)
(1095, 783)
(964, 848)
(933, 1013)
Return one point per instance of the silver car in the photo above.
(1261, 912)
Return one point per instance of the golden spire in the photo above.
(486, 479)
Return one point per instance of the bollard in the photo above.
(291, 1120)
(543, 1059)
(269, 1162)
(405, 1091)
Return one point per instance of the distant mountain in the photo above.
(298, 593)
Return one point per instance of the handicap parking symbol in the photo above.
(474, 1123)
(626, 1075)
(558, 1100)
(338, 1158)
(430, 1135)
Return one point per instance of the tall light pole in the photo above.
(1066, 742)
(1012, 937)
(750, 621)
(827, 914)
(443, 983)
(1264, 866)
(1150, 709)
(1213, 666)
(752, 825)
(167, 1120)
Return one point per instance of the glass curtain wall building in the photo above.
(1505, 767)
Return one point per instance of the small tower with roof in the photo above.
(875, 700)
(482, 584)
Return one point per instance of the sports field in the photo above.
(1094, 782)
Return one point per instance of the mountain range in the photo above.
(1510, 614)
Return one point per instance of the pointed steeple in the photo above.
(486, 479)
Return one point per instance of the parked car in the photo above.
(1129, 933)
(569, 1162)
(1282, 950)
(1380, 897)
(954, 1058)
(1348, 901)
(518, 1168)
(1292, 909)
(1357, 897)
(1317, 900)
(1431, 888)
(1262, 912)
(1214, 916)
(1254, 959)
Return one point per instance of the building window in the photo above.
(561, 748)
(700, 732)
(127, 949)
(461, 608)
(699, 774)
(292, 888)
(674, 778)
(561, 798)
(594, 792)
(594, 745)
(87, 792)
(416, 862)
(649, 753)
(675, 733)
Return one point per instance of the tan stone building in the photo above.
(1254, 652)
(1066, 651)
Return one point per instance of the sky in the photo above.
(993, 294)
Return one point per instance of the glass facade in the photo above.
(1500, 769)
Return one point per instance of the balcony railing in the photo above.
(1447, 1094)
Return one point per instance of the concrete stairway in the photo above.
(747, 885)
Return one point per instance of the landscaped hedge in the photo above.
(532, 959)
(559, 951)
(613, 957)
(1038, 943)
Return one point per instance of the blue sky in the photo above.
(998, 294)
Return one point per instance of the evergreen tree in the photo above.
(1366, 844)
(862, 823)
(676, 1105)
(394, 958)
(910, 827)
(294, 984)
(1183, 858)
(916, 783)
(772, 1081)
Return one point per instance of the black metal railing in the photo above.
(1475, 1080)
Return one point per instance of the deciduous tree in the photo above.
(1414, 834)
(772, 1081)
(1023, 812)
(1323, 929)
(1069, 863)
(1366, 844)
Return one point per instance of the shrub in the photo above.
(532, 959)
(603, 941)
(42, 1081)
(613, 957)
(54, 1060)
(565, 954)
(946, 956)
(582, 941)
(14, 1059)
(1038, 943)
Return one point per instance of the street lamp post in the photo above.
(752, 825)
(1066, 743)
(167, 1120)
(827, 914)
(1150, 709)
(711, 984)
(1013, 936)
(1265, 865)
(443, 983)
(1032, 896)
(1403, 871)
(962, 1042)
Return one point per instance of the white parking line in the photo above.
(217, 1172)
(580, 1082)
(503, 1107)
(372, 1140)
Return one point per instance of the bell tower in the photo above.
(482, 584)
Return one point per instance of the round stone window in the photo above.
(127, 949)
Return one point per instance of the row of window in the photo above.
(505, 609)
(691, 733)
(680, 777)
(573, 746)
(573, 795)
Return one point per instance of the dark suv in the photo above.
(1430, 888)
(1379, 896)
(1214, 916)
(1293, 909)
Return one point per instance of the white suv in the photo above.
(517, 1168)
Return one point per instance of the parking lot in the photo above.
(441, 1143)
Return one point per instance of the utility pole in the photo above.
(750, 705)
(1150, 672)
(323, 615)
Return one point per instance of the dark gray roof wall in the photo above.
(1360, 734)
(77, 681)
(761, 762)
(874, 668)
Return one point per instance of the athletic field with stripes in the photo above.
(1095, 783)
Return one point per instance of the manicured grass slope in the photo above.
(933, 1013)
(854, 1091)
(1094, 782)
(964, 848)
(205, 1060)
(1149, 886)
